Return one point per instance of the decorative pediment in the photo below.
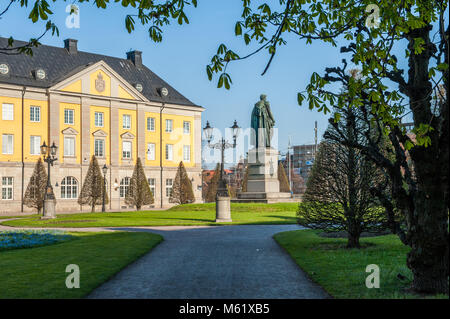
(99, 79)
(100, 133)
(69, 131)
(127, 136)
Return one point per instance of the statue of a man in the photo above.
(262, 122)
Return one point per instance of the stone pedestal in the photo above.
(49, 209)
(223, 212)
(263, 171)
(262, 183)
(49, 204)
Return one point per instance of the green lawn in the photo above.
(40, 272)
(190, 214)
(341, 271)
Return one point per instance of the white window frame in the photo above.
(186, 151)
(99, 119)
(35, 145)
(8, 148)
(69, 188)
(151, 124)
(151, 150)
(69, 120)
(169, 126)
(169, 152)
(35, 113)
(7, 188)
(186, 124)
(127, 154)
(96, 149)
(7, 112)
(69, 151)
(152, 185)
(126, 121)
(169, 187)
(123, 187)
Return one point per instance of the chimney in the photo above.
(71, 46)
(135, 57)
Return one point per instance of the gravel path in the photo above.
(227, 262)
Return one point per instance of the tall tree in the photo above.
(93, 187)
(182, 192)
(338, 194)
(34, 195)
(282, 178)
(212, 186)
(139, 193)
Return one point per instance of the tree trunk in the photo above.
(93, 208)
(353, 240)
(429, 256)
(427, 218)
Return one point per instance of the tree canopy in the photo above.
(35, 192)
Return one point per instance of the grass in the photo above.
(40, 272)
(182, 215)
(341, 272)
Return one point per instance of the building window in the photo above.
(35, 145)
(126, 121)
(169, 184)
(151, 124)
(169, 126)
(126, 149)
(152, 184)
(69, 146)
(151, 151)
(69, 188)
(186, 127)
(8, 144)
(99, 147)
(68, 116)
(7, 187)
(98, 119)
(186, 153)
(124, 184)
(35, 114)
(169, 152)
(7, 112)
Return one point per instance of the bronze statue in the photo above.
(262, 122)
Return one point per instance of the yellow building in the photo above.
(91, 104)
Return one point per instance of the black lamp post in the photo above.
(49, 154)
(104, 169)
(222, 145)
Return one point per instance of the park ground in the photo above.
(182, 215)
(38, 272)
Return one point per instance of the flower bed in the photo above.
(13, 239)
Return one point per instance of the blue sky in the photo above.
(182, 57)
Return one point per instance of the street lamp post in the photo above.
(104, 169)
(223, 213)
(49, 154)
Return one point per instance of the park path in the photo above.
(228, 262)
(210, 262)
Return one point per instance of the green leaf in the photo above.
(238, 29)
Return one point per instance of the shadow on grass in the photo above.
(99, 256)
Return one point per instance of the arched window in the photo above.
(69, 187)
(124, 184)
